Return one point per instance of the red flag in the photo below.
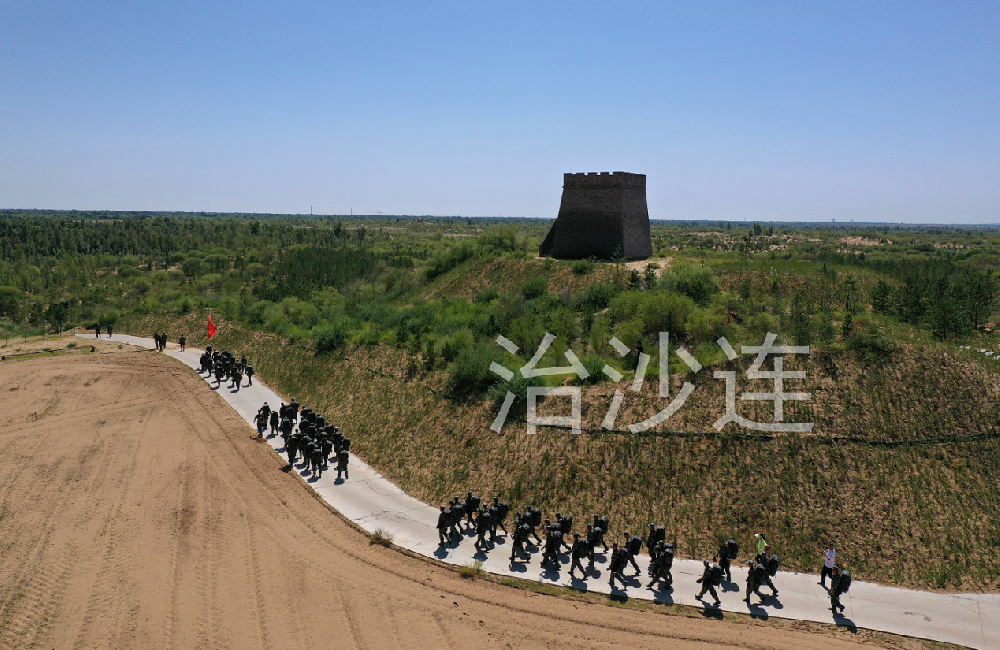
(211, 327)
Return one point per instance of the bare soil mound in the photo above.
(138, 511)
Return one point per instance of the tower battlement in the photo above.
(601, 215)
(604, 179)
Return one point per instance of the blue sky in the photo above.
(872, 111)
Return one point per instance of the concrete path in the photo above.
(372, 502)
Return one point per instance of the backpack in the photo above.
(502, 510)
(536, 517)
(474, 502)
(734, 549)
(604, 522)
(666, 558)
(759, 574)
(635, 545)
(772, 565)
(660, 534)
(845, 581)
(715, 572)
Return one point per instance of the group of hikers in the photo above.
(224, 365)
(160, 340)
(97, 330)
(310, 439)
(485, 518)
(314, 440)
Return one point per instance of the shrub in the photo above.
(454, 344)
(697, 282)
(595, 366)
(444, 262)
(535, 287)
(111, 316)
(471, 570)
(487, 295)
(381, 536)
(470, 371)
(870, 343)
(597, 297)
(582, 267)
(328, 337)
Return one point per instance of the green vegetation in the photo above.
(389, 326)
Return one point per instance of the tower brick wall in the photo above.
(599, 215)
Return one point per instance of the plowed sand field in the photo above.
(138, 511)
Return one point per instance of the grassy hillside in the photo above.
(925, 514)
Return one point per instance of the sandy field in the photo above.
(138, 511)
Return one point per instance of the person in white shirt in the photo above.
(829, 561)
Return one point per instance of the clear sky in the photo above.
(872, 111)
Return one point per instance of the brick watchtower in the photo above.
(599, 215)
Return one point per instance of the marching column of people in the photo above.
(469, 515)
(313, 443)
(224, 366)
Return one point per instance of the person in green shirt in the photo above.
(761, 542)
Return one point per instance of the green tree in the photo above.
(10, 302)
(980, 296)
(880, 297)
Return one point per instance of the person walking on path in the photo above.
(829, 561)
(840, 583)
(761, 542)
(97, 330)
(182, 341)
(111, 329)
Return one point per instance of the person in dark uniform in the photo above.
(111, 329)
(711, 578)
(97, 331)
(182, 341)
(593, 539)
(442, 526)
(755, 578)
(553, 539)
(725, 561)
(503, 509)
(521, 532)
(484, 525)
(840, 582)
(664, 564)
(580, 550)
(274, 422)
(633, 546)
(619, 559)
(602, 522)
(249, 374)
(342, 458)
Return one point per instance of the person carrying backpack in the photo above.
(710, 579)
(840, 583)
(601, 522)
(773, 564)
(755, 578)
(619, 559)
(633, 546)
(725, 561)
(664, 563)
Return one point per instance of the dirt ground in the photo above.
(138, 511)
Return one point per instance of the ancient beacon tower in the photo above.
(600, 214)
